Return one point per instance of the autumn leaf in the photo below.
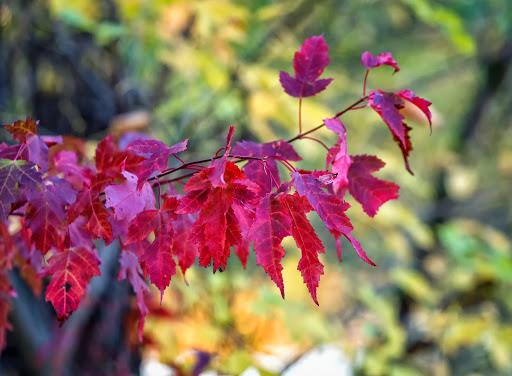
(88, 204)
(272, 223)
(329, 207)
(72, 270)
(158, 256)
(126, 200)
(20, 129)
(309, 64)
(12, 173)
(385, 58)
(46, 213)
(368, 190)
(307, 240)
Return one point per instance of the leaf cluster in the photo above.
(55, 202)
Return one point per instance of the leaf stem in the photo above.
(284, 162)
(365, 78)
(300, 115)
(317, 140)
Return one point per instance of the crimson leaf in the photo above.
(329, 207)
(309, 63)
(272, 223)
(12, 173)
(384, 58)
(158, 257)
(307, 240)
(369, 191)
(72, 270)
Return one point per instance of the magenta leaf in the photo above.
(369, 191)
(46, 214)
(72, 271)
(272, 223)
(307, 240)
(184, 250)
(388, 106)
(158, 158)
(158, 256)
(309, 63)
(126, 200)
(12, 173)
(384, 58)
(329, 207)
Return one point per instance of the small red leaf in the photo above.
(309, 63)
(388, 106)
(369, 191)
(184, 250)
(385, 58)
(72, 270)
(272, 223)
(330, 208)
(307, 240)
(157, 257)
(127, 200)
(46, 214)
(12, 173)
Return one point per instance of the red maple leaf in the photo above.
(88, 204)
(307, 240)
(158, 156)
(111, 162)
(210, 231)
(158, 256)
(12, 173)
(36, 151)
(272, 223)
(258, 172)
(309, 63)
(46, 213)
(126, 200)
(338, 156)
(72, 270)
(388, 106)
(329, 207)
(368, 190)
(130, 268)
(66, 162)
(384, 58)
(184, 250)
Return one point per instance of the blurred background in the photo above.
(439, 301)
